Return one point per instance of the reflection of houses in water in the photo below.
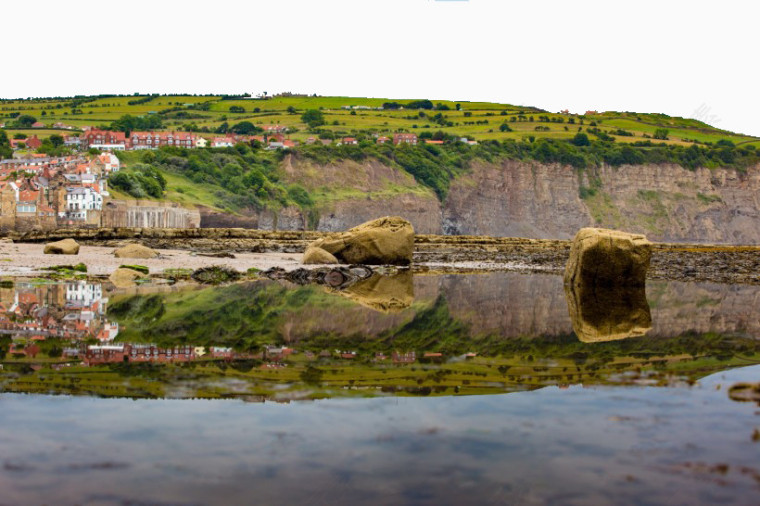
(108, 332)
(276, 352)
(72, 310)
(404, 358)
(140, 353)
(83, 294)
(126, 352)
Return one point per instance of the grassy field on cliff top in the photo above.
(477, 120)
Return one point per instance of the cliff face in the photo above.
(516, 199)
(527, 199)
(665, 202)
(347, 194)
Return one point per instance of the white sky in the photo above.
(683, 58)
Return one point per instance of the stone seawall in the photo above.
(147, 213)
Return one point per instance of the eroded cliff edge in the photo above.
(527, 199)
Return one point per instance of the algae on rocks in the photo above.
(215, 275)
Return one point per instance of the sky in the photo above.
(683, 58)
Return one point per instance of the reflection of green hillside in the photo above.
(301, 377)
(243, 315)
(248, 315)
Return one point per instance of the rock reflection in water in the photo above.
(608, 313)
(387, 294)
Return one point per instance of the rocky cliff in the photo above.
(665, 202)
(527, 199)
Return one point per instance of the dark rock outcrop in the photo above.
(600, 257)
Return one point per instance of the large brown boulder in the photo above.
(124, 277)
(135, 251)
(63, 247)
(600, 257)
(384, 241)
(318, 256)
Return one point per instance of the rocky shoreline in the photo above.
(440, 253)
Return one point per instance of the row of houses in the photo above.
(106, 140)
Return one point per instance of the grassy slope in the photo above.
(179, 189)
(105, 110)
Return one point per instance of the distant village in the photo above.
(42, 192)
(39, 192)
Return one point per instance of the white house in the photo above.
(79, 200)
(201, 142)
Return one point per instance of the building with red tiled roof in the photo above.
(103, 140)
(153, 140)
(405, 138)
(33, 142)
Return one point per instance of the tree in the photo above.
(56, 140)
(661, 133)
(420, 104)
(581, 139)
(313, 118)
(25, 121)
(504, 127)
(292, 110)
(5, 145)
(245, 128)
(237, 109)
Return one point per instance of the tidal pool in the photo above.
(422, 390)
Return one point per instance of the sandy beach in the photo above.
(27, 259)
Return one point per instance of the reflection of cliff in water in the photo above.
(498, 305)
(514, 305)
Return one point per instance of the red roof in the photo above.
(28, 196)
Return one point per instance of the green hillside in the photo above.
(477, 120)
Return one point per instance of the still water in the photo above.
(497, 388)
